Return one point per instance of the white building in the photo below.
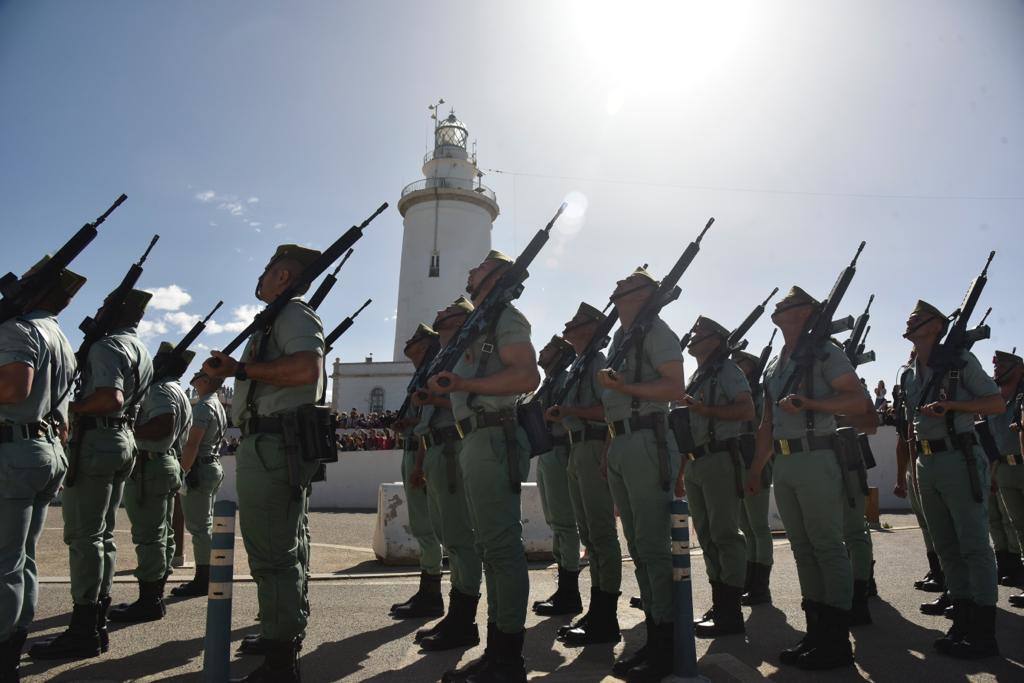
(447, 219)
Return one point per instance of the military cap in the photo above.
(558, 343)
(589, 315)
(168, 348)
(495, 255)
(706, 325)
(462, 303)
(135, 302)
(68, 281)
(643, 273)
(303, 255)
(925, 308)
(744, 357)
(795, 297)
(423, 331)
(1007, 357)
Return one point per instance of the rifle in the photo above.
(182, 346)
(265, 318)
(328, 283)
(342, 328)
(19, 293)
(600, 339)
(854, 346)
(419, 378)
(667, 292)
(762, 362)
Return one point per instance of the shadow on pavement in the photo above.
(345, 657)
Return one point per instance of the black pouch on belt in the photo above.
(847, 449)
(530, 416)
(679, 422)
(318, 433)
(987, 441)
(865, 452)
(748, 447)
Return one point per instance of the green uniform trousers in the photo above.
(420, 526)
(757, 532)
(447, 494)
(595, 515)
(635, 482)
(197, 506)
(715, 515)
(809, 495)
(1011, 491)
(89, 507)
(149, 501)
(1000, 528)
(856, 532)
(914, 495)
(553, 483)
(31, 471)
(494, 508)
(270, 517)
(958, 524)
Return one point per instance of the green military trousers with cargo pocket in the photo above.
(1010, 479)
(494, 508)
(635, 481)
(553, 484)
(447, 493)
(914, 496)
(270, 517)
(809, 494)
(595, 515)
(420, 526)
(149, 501)
(197, 506)
(715, 514)
(856, 532)
(757, 532)
(89, 506)
(959, 524)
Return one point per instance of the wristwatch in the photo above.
(240, 373)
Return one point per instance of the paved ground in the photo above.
(351, 639)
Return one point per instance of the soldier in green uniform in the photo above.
(485, 387)
(757, 532)
(641, 463)
(438, 471)
(1004, 536)
(165, 416)
(957, 515)
(800, 430)
(1008, 372)
(582, 416)
(714, 473)
(200, 461)
(426, 602)
(116, 373)
(280, 372)
(553, 484)
(36, 370)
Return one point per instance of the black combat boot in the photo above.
(149, 606)
(458, 628)
(833, 648)
(566, 600)
(658, 662)
(759, 592)
(872, 586)
(636, 602)
(810, 640)
(480, 664)
(199, 585)
(626, 663)
(728, 616)
(582, 621)
(281, 664)
(256, 645)
(1017, 600)
(79, 641)
(935, 580)
(1011, 571)
(10, 656)
(601, 627)
(426, 602)
(936, 607)
(860, 615)
(748, 576)
(956, 631)
(709, 615)
(507, 665)
(979, 638)
(102, 610)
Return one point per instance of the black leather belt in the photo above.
(932, 446)
(635, 423)
(440, 436)
(24, 432)
(560, 441)
(588, 433)
(89, 422)
(263, 425)
(153, 455)
(1012, 459)
(802, 444)
(479, 421)
(708, 449)
(208, 459)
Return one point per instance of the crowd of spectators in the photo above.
(357, 420)
(367, 440)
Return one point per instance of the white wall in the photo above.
(353, 382)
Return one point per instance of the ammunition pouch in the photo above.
(530, 416)
(987, 441)
(847, 449)
(192, 477)
(865, 452)
(317, 430)
(679, 422)
(748, 448)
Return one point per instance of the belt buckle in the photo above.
(784, 447)
(568, 436)
(458, 428)
(423, 442)
(611, 430)
(691, 456)
(1011, 459)
(926, 447)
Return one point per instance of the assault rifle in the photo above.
(19, 293)
(854, 346)
(328, 283)
(342, 328)
(757, 388)
(169, 361)
(419, 379)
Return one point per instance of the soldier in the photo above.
(485, 387)
(438, 470)
(757, 533)
(553, 484)
(281, 370)
(165, 417)
(426, 602)
(641, 464)
(713, 473)
(1004, 536)
(200, 460)
(800, 429)
(1009, 470)
(116, 373)
(36, 369)
(957, 515)
(582, 415)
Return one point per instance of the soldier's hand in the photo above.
(753, 486)
(554, 414)
(693, 404)
(62, 432)
(420, 398)
(793, 404)
(417, 478)
(609, 379)
(680, 486)
(452, 382)
(225, 367)
(900, 490)
(936, 409)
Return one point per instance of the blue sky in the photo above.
(803, 127)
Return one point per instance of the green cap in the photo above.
(925, 308)
(168, 347)
(303, 255)
(589, 312)
(423, 331)
(135, 302)
(68, 281)
(1007, 357)
(643, 273)
(557, 343)
(706, 325)
(462, 303)
(744, 357)
(495, 255)
(795, 297)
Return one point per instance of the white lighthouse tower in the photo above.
(447, 219)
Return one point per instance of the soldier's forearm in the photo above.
(986, 405)
(844, 403)
(294, 370)
(734, 412)
(661, 389)
(593, 413)
(510, 381)
(102, 401)
(160, 427)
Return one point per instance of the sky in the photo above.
(802, 126)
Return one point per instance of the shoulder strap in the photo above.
(261, 349)
(638, 370)
(486, 351)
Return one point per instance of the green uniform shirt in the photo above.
(36, 340)
(660, 346)
(825, 371)
(974, 383)
(297, 328)
(586, 393)
(166, 398)
(208, 414)
(511, 328)
(118, 361)
(1007, 440)
(729, 382)
(433, 417)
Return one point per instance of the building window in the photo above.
(377, 400)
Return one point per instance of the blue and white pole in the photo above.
(217, 651)
(684, 649)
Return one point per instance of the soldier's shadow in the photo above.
(345, 657)
(768, 632)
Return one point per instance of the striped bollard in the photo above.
(217, 653)
(684, 648)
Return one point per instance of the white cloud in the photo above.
(150, 328)
(243, 315)
(206, 197)
(278, 226)
(233, 207)
(181, 320)
(169, 298)
(255, 223)
(253, 200)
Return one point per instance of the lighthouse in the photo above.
(447, 218)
